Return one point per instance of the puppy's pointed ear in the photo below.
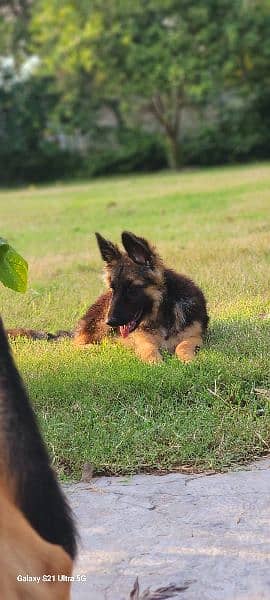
(138, 249)
(109, 251)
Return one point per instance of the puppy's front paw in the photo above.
(186, 351)
(152, 356)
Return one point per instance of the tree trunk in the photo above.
(174, 151)
(171, 126)
(114, 106)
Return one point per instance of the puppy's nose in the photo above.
(112, 322)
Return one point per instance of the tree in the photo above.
(167, 55)
(66, 35)
(161, 56)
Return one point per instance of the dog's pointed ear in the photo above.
(109, 251)
(138, 249)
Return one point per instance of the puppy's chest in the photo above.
(157, 337)
(165, 333)
(169, 341)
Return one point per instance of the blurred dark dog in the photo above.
(37, 534)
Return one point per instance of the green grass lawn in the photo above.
(100, 404)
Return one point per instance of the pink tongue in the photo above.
(124, 330)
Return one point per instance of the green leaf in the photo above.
(13, 268)
(3, 248)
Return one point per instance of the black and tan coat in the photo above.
(148, 307)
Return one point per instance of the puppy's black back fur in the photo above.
(26, 462)
(183, 292)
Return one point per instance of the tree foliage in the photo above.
(28, 144)
(15, 16)
(159, 56)
(148, 61)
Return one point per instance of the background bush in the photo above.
(132, 151)
(236, 136)
(30, 152)
(27, 153)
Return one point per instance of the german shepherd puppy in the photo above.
(147, 306)
(37, 533)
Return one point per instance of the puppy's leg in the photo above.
(92, 327)
(148, 353)
(90, 332)
(146, 345)
(190, 343)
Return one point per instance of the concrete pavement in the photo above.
(210, 534)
